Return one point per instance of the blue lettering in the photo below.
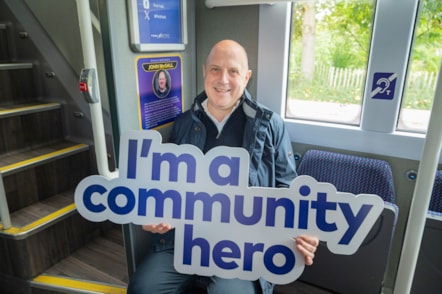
(233, 178)
(303, 214)
(160, 198)
(289, 259)
(322, 206)
(354, 222)
(132, 159)
(256, 211)
(208, 202)
(289, 206)
(303, 207)
(174, 163)
(145, 147)
(88, 201)
(249, 250)
(189, 243)
(219, 254)
(112, 200)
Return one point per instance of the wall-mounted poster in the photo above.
(157, 25)
(160, 90)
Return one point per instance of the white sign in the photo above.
(223, 226)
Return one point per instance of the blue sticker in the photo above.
(384, 84)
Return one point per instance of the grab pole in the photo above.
(422, 194)
(89, 87)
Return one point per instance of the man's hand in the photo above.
(158, 228)
(307, 245)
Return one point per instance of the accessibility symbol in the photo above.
(384, 84)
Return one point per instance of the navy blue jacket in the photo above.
(272, 163)
(265, 138)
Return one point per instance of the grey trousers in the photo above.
(157, 275)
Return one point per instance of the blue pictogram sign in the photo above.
(384, 84)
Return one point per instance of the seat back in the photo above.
(428, 272)
(436, 195)
(362, 272)
(349, 173)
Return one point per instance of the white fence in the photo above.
(354, 77)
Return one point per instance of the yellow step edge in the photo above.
(28, 108)
(39, 222)
(41, 158)
(58, 282)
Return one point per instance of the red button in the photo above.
(83, 87)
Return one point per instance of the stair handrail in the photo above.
(5, 216)
(91, 91)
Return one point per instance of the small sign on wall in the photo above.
(160, 90)
(157, 25)
(384, 84)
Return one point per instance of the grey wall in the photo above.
(239, 23)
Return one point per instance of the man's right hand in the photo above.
(158, 228)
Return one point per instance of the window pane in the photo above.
(424, 66)
(328, 59)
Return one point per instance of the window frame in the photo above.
(389, 52)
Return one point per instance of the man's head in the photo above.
(226, 74)
(162, 81)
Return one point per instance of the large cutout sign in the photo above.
(223, 226)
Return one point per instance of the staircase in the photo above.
(49, 247)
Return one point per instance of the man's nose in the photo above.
(224, 76)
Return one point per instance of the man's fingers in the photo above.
(157, 228)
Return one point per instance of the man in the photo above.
(162, 90)
(224, 114)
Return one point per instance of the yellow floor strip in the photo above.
(39, 222)
(79, 285)
(41, 157)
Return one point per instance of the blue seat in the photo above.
(428, 273)
(362, 272)
(436, 194)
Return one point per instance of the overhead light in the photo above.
(217, 3)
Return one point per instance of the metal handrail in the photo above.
(87, 42)
(421, 195)
(5, 217)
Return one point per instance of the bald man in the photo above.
(224, 114)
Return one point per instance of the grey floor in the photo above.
(299, 287)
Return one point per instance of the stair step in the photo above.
(98, 267)
(18, 65)
(17, 161)
(36, 217)
(12, 110)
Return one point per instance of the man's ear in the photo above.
(248, 76)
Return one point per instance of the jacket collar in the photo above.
(250, 106)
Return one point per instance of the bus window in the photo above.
(329, 48)
(425, 61)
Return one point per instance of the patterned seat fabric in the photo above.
(436, 196)
(350, 173)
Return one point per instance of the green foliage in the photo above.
(428, 37)
(343, 34)
(319, 90)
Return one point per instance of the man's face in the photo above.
(225, 76)
(162, 80)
